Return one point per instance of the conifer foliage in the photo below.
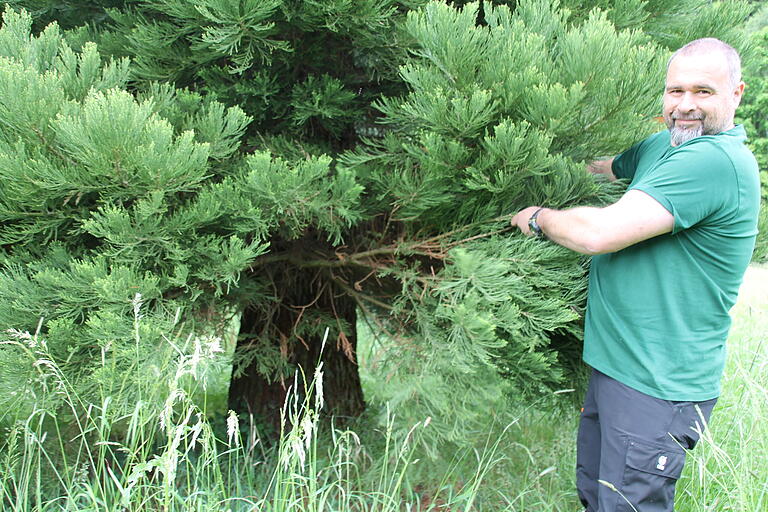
(297, 166)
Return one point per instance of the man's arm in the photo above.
(587, 230)
(603, 167)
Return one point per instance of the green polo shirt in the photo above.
(657, 315)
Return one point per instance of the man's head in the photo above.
(703, 89)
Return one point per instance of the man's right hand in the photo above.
(602, 167)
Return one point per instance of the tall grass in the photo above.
(167, 454)
(728, 470)
(170, 457)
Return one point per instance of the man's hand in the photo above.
(520, 220)
(604, 167)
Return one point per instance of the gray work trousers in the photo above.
(636, 444)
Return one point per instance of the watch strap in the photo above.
(533, 225)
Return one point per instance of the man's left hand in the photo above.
(520, 220)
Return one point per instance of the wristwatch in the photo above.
(534, 226)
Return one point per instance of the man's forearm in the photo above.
(588, 230)
(578, 229)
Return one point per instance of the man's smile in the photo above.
(686, 122)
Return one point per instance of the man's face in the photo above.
(699, 98)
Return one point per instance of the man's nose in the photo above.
(687, 103)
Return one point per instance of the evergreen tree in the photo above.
(334, 184)
(306, 73)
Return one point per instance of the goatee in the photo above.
(682, 135)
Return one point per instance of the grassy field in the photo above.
(170, 457)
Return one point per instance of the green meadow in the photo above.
(168, 454)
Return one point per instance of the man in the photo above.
(669, 257)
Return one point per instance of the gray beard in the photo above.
(681, 135)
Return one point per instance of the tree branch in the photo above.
(429, 248)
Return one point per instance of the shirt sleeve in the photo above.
(696, 182)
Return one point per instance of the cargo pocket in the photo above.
(650, 475)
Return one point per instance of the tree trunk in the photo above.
(264, 396)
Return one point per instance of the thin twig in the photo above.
(362, 296)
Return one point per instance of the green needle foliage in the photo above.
(291, 167)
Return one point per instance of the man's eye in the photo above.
(705, 92)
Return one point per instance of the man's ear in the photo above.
(738, 93)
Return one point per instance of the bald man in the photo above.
(668, 259)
